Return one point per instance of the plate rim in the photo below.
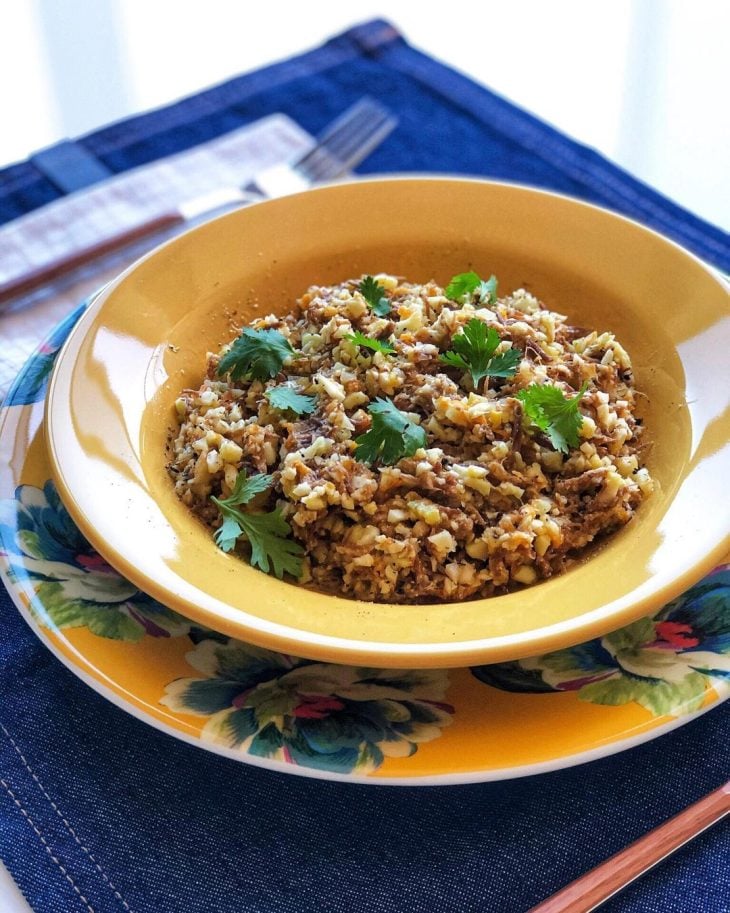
(493, 775)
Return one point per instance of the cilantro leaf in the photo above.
(374, 293)
(391, 437)
(246, 488)
(463, 284)
(547, 407)
(468, 284)
(259, 354)
(286, 398)
(488, 290)
(376, 345)
(505, 364)
(227, 535)
(267, 534)
(473, 351)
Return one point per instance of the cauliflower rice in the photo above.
(487, 506)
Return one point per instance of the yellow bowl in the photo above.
(110, 407)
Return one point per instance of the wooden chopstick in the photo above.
(66, 263)
(592, 889)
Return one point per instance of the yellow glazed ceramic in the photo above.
(110, 407)
(408, 727)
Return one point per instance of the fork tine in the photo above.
(359, 114)
(343, 145)
(331, 161)
(363, 136)
(365, 108)
(347, 140)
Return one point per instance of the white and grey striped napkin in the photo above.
(121, 202)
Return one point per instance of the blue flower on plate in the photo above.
(666, 663)
(30, 387)
(69, 583)
(320, 715)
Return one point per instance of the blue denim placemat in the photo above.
(447, 124)
(101, 813)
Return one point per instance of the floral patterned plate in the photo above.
(324, 720)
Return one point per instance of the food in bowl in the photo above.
(408, 443)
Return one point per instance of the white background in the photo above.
(643, 81)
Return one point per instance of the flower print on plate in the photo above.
(30, 386)
(68, 583)
(667, 664)
(320, 715)
(264, 704)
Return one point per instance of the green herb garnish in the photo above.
(468, 284)
(374, 293)
(391, 437)
(473, 351)
(259, 354)
(547, 407)
(286, 398)
(360, 339)
(267, 534)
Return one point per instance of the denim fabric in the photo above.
(447, 124)
(99, 812)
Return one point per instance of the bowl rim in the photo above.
(287, 639)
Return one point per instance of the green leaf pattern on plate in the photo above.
(666, 663)
(69, 584)
(319, 715)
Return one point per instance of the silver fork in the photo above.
(342, 146)
(338, 149)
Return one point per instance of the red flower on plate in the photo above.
(674, 635)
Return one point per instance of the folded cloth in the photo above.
(124, 201)
(117, 204)
(99, 812)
